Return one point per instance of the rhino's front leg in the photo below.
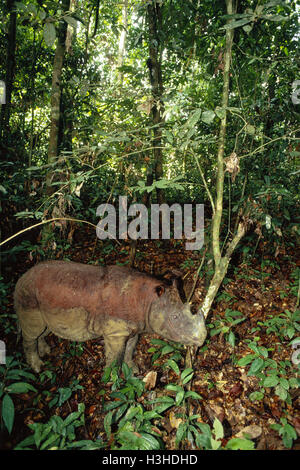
(114, 348)
(129, 350)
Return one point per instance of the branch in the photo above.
(46, 222)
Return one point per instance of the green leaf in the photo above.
(20, 387)
(179, 397)
(256, 366)
(236, 24)
(21, 6)
(215, 444)
(169, 136)
(72, 416)
(167, 349)
(187, 375)
(25, 444)
(208, 116)
(32, 8)
(281, 392)
(70, 20)
(203, 440)
(42, 15)
(274, 17)
(182, 428)
(64, 395)
(191, 394)
(271, 381)
(174, 366)
(8, 412)
(194, 118)
(246, 360)
(49, 443)
(49, 34)
(220, 112)
(218, 428)
(284, 383)
(250, 129)
(248, 28)
(239, 444)
(231, 339)
(107, 423)
(256, 396)
(149, 442)
(15, 374)
(173, 388)
(263, 351)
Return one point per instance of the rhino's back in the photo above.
(113, 291)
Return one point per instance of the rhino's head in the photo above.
(172, 319)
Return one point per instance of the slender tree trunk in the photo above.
(10, 69)
(222, 262)
(32, 100)
(122, 40)
(154, 65)
(56, 92)
(221, 146)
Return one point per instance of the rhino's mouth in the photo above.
(186, 339)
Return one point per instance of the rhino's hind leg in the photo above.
(43, 347)
(33, 327)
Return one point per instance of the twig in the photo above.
(46, 222)
(205, 184)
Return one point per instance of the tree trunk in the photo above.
(154, 65)
(221, 263)
(10, 69)
(122, 40)
(56, 92)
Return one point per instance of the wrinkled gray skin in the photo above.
(81, 302)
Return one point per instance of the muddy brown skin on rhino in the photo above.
(81, 302)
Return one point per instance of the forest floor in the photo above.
(244, 372)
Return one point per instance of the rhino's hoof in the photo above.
(36, 364)
(134, 367)
(44, 349)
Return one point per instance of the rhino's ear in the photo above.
(160, 290)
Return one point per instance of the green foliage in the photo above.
(166, 347)
(225, 324)
(284, 325)
(58, 434)
(271, 374)
(181, 395)
(12, 375)
(64, 393)
(295, 284)
(161, 184)
(130, 419)
(287, 432)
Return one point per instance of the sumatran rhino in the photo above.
(81, 302)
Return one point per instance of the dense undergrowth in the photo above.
(242, 391)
